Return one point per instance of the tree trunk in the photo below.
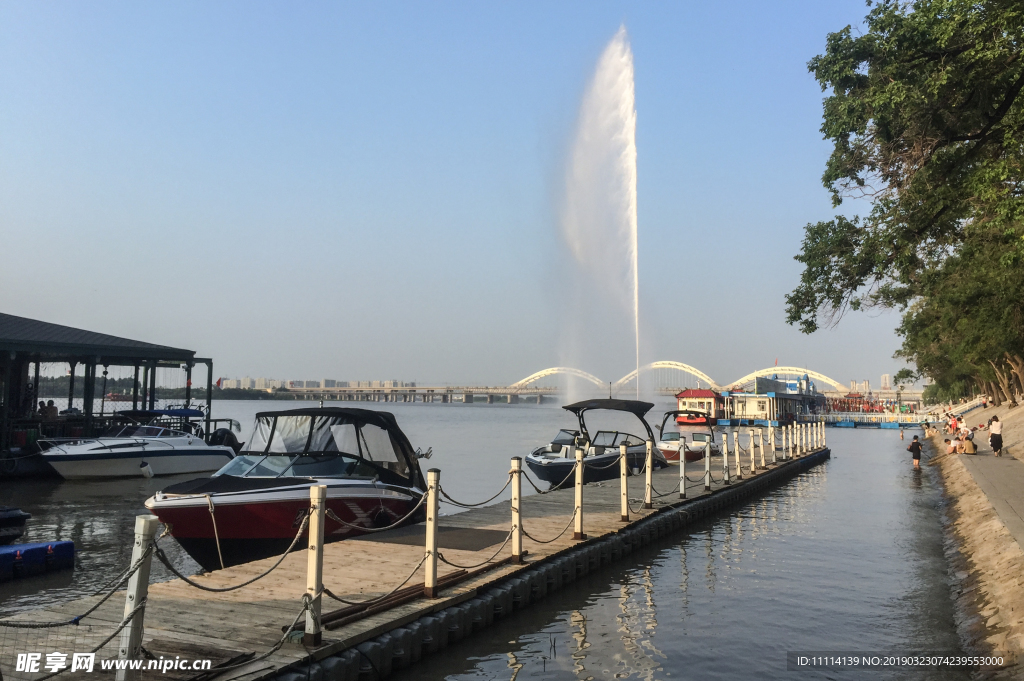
(1017, 365)
(1004, 383)
(993, 394)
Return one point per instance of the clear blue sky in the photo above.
(370, 190)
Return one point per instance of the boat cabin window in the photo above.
(700, 437)
(142, 431)
(565, 437)
(670, 437)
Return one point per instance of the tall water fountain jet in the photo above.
(599, 222)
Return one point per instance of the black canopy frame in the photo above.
(635, 407)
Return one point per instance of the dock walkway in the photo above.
(179, 617)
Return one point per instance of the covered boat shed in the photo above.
(27, 343)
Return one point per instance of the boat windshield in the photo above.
(277, 466)
(565, 437)
(328, 435)
(699, 437)
(670, 437)
(142, 431)
(613, 438)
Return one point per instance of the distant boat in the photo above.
(693, 433)
(142, 449)
(554, 463)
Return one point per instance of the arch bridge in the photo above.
(684, 369)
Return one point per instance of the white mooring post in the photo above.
(707, 468)
(771, 443)
(801, 444)
(753, 463)
(649, 477)
(430, 575)
(736, 452)
(824, 440)
(315, 564)
(682, 470)
(623, 485)
(760, 446)
(138, 587)
(517, 521)
(787, 442)
(578, 529)
(725, 459)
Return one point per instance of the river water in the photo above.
(846, 557)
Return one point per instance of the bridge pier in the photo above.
(513, 399)
(490, 399)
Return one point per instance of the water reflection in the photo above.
(846, 557)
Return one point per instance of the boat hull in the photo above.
(556, 472)
(256, 525)
(138, 464)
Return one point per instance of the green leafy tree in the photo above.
(926, 116)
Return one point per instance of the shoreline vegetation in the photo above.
(924, 106)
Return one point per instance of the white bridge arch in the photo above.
(679, 366)
(569, 371)
(789, 371)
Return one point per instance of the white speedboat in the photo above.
(135, 451)
(693, 433)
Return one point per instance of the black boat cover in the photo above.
(632, 406)
(364, 433)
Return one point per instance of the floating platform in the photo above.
(28, 560)
(370, 642)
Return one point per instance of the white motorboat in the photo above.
(138, 450)
(693, 433)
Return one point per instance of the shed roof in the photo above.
(59, 343)
(697, 392)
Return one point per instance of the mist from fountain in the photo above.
(599, 222)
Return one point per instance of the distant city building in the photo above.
(229, 383)
(247, 383)
(886, 382)
(865, 387)
(328, 383)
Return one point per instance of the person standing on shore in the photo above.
(996, 436)
(915, 449)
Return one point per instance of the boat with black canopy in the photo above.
(553, 463)
(692, 433)
(253, 507)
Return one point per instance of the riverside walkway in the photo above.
(245, 630)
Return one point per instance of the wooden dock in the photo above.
(182, 620)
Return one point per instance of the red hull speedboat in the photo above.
(254, 506)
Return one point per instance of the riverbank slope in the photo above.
(985, 535)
